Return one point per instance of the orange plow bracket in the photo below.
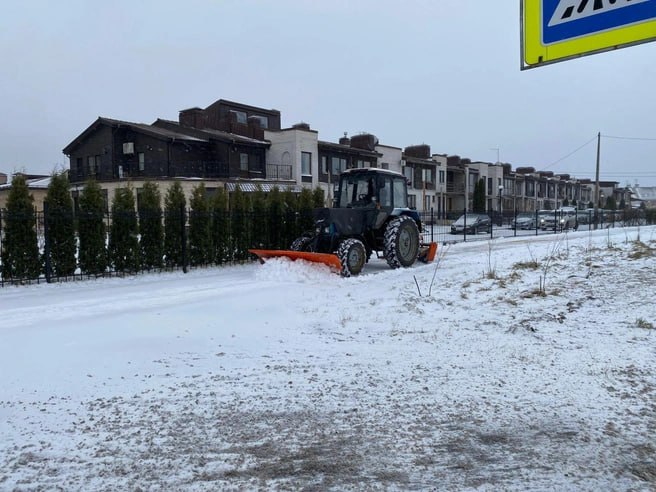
(427, 252)
(326, 258)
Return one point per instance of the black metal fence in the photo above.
(465, 225)
(195, 239)
(222, 237)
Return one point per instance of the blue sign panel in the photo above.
(564, 20)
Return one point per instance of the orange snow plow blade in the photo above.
(326, 258)
(427, 252)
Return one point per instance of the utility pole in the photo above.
(596, 202)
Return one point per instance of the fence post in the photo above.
(183, 224)
(537, 222)
(432, 220)
(464, 228)
(46, 244)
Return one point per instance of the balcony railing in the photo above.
(278, 172)
(455, 188)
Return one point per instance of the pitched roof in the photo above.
(154, 131)
(40, 183)
(210, 133)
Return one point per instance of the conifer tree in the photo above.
(275, 205)
(60, 226)
(291, 229)
(318, 198)
(200, 231)
(123, 233)
(150, 226)
(220, 227)
(174, 220)
(260, 234)
(610, 204)
(479, 197)
(239, 211)
(20, 250)
(92, 230)
(305, 208)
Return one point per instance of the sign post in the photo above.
(559, 30)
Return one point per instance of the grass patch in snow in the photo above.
(526, 265)
(643, 323)
(641, 250)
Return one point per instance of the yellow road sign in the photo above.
(557, 30)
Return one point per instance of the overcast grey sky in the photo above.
(441, 72)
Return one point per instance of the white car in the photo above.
(562, 219)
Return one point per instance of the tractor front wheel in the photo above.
(353, 255)
(401, 242)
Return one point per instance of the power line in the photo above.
(630, 138)
(570, 154)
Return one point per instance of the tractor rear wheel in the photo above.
(353, 255)
(401, 245)
(301, 244)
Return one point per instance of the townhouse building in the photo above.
(230, 144)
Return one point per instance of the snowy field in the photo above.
(529, 365)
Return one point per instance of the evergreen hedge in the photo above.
(92, 230)
(200, 227)
(124, 253)
(20, 249)
(60, 224)
(150, 226)
(174, 222)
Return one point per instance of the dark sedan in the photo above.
(472, 224)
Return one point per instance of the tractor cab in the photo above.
(372, 187)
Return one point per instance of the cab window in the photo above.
(400, 194)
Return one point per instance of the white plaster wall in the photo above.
(294, 141)
(391, 156)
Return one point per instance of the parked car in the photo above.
(562, 219)
(524, 220)
(472, 224)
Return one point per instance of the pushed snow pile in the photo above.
(300, 271)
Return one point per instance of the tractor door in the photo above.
(385, 200)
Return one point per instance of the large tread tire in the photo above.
(301, 244)
(353, 255)
(401, 246)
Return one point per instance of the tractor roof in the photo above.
(371, 170)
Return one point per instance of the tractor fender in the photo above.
(413, 214)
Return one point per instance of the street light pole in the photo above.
(500, 204)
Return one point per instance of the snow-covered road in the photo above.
(287, 376)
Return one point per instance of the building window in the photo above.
(430, 176)
(243, 162)
(408, 173)
(337, 165)
(241, 117)
(412, 201)
(142, 161)
(324, 164)
(489, 186)
(306, 163)
(442, 176)
(91, 165)
(264, 121)
(384, 165)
